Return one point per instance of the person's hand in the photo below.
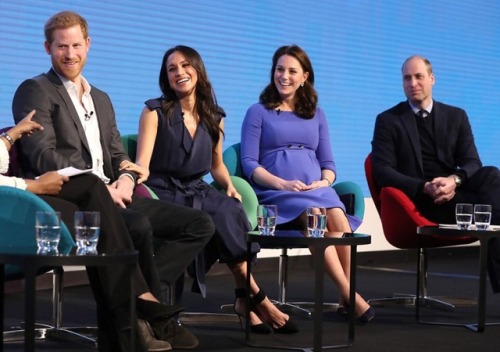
(318, 184)
(294, 186)
(48, 183)
(141, 171)
(24, 127)
(233, 193)
(121, 191)
(441, 189)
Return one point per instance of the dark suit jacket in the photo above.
(63, 142)
(396, 152)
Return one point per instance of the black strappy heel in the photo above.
(261, 328)
(289, 328)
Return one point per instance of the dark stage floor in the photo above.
(453, 272)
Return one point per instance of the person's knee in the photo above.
(139, 228)
(203, 225)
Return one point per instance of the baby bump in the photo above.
(293, 164)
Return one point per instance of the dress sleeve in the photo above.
(4, 167)
(324, 152)
(251, 131)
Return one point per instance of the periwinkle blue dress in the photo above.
(291, 148)
(177, 166)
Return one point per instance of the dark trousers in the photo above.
(180, 234)
(89, 193)
(483, 187)
(109, 286)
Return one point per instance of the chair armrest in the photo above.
(348, 187)
(248, 197)
(144, 191)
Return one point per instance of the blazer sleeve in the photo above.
(40, 151)
(391, 152)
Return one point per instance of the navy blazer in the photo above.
(63, 143)
(396, 152)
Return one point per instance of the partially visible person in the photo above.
(426, 149)
(180, 141)
(80, 131)
(286, 155)
(88, 193)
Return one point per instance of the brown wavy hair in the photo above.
(63, 20)
(206, 102)
(306, 96)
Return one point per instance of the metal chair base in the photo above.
(84, 336)
(195, 318)
(444, 303)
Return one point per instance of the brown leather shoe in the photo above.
(153, 344)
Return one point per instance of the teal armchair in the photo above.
(350, 194)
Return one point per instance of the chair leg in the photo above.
(409, 300)
(86, 336)
(195, 318)
(446, 303)
(301, 308)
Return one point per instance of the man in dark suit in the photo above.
(426, 149)
(80, 131)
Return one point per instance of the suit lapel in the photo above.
(440, 131)
(408, 122)
(63, 93)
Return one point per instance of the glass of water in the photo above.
(463, 214)
(87, 228)
(316, 221)
(266, 219)
(482, 216)
(48, 231)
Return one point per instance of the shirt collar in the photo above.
(428, 108)
(71, 86)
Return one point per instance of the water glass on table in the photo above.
(316, 221)
(266, 219)
(463, 214)
(87, 227)
(482, 216)
(48, 231)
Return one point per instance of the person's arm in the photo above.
(219, 170)
(39, 151)
(466, 156)
(148, 129)
(324, 153)
(386, 145)
(25, 127)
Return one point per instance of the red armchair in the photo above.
(400, 219)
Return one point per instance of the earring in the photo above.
(302, 84)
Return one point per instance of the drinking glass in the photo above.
(87, 227)
(48, 231)
(463, 214)
(482, 216)
(266, 219)
(316, 221)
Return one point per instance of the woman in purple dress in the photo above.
(286, 155)
(180, 141)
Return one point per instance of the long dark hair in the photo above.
(306, 96)
(206, 102)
